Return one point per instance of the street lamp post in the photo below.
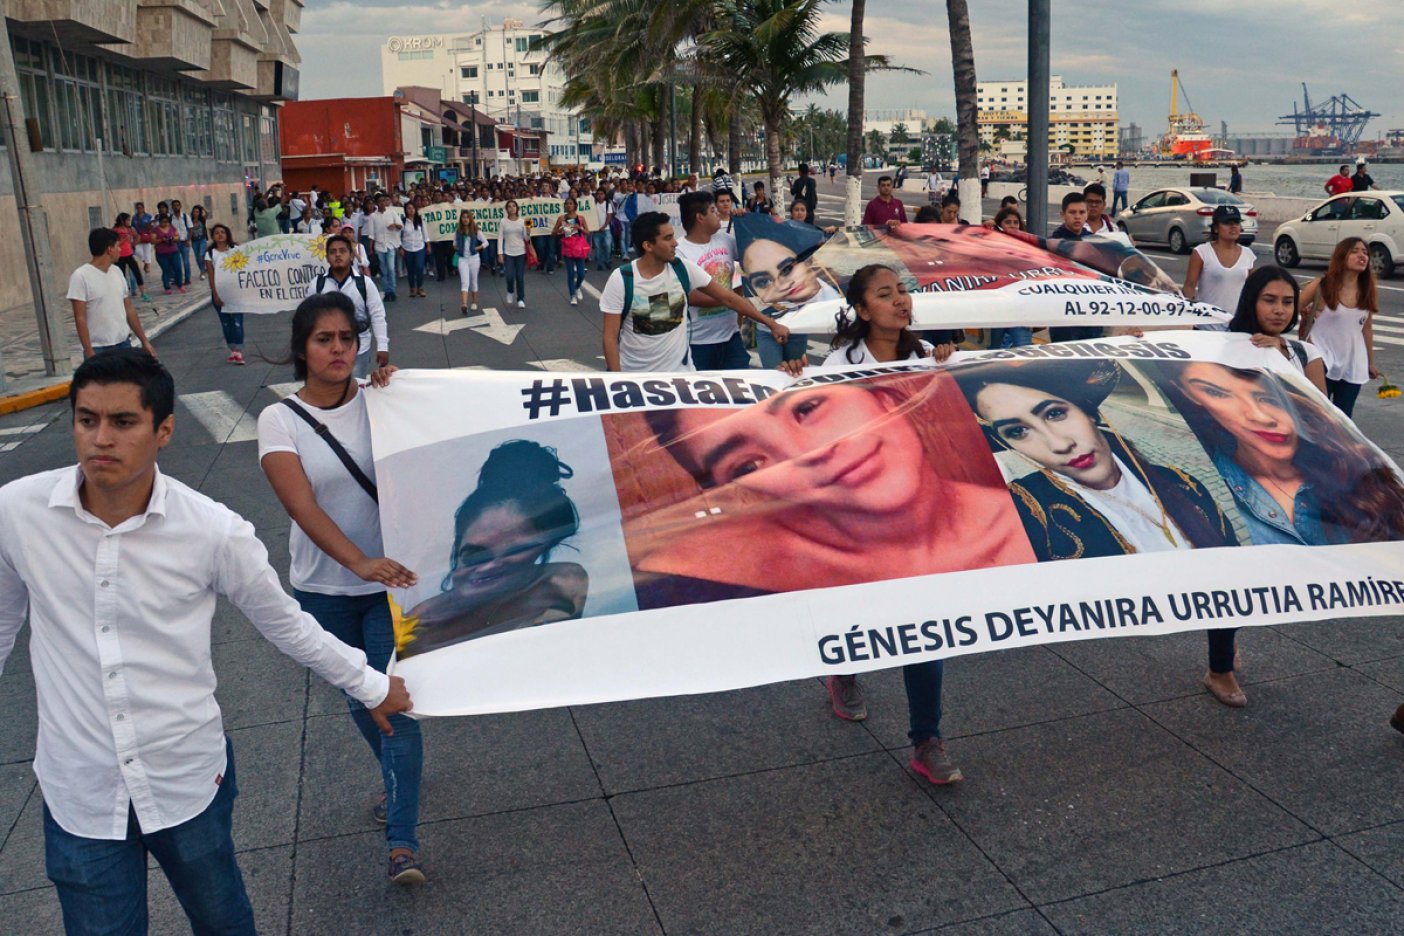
(1037, 149)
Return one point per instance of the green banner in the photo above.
(441, 221)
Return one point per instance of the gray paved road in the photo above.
(1106, 793)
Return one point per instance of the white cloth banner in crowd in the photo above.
(597, 537)
(441, 221)
(271, 274)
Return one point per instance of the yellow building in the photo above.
(1082, 116)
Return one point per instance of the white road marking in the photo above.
(1383, 339)
(221, 415)
(23, 430)
(589, 288)
(285, 390)
(1390, 329)
(489, 324)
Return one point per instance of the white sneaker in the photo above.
(574, 301)
(473, 307)
(521, 305)
(579, 295)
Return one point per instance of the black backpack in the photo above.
(362, 324)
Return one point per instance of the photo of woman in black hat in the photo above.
(1092, 493)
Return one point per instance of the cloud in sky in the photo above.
(1241, 61)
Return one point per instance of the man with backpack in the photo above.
(645, 302)
(370, 311)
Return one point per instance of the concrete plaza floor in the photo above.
(1106, 792)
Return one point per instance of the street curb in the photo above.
(48, 393)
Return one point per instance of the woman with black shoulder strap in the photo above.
(315, 448)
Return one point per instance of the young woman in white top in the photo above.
(339, 573)
(877, 333)
(1338, 312)
(232, 323)
(414, 248)
(511, 247)
(1217, 269)
(1267, 310)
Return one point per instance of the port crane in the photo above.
(1336, 123)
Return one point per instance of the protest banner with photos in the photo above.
(960, 276)
(597, 537)
(271, 274)
(441, 221)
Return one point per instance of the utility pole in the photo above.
(33, 220)
(1037, 150)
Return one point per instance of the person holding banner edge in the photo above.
(643, 288)
(878, 333)
(308, 446)
(1297, 475)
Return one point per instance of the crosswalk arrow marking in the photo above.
(489, 325)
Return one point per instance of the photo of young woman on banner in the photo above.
(1092, 491)
(531, 538)
(1300, 472)
(879, 478)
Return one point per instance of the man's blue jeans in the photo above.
(600, 247)
(363, 622)
(772, 351)
(184, 255)
(1120, 199)
(723, 355)
(386, 258)
(102, 882)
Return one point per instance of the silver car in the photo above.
(1179, 217)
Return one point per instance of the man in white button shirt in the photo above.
(118, 567)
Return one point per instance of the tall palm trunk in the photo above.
(645, 138)
(660, 132)
(694, 135)
(853, 201)
(967, 131)
(631, 143)
(773, 161)
(733, 138)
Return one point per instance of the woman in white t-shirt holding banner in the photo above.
(1219, 267)
(315, 448)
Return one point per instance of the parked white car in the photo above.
(1376, 217)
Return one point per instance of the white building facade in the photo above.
(498, 72)
(1081, 116)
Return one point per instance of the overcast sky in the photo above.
(1241, 61)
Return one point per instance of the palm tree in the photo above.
(967, 130)
(776, 49)
(852, 207)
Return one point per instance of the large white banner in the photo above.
(271, 274)
(597, 537)
(961, 276)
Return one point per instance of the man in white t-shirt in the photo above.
(716, 334)
(102, 308)
(384, 228)
(651, 333)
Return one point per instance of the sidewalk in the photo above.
(26, 384)
(1105, 791)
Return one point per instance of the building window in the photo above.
(126, 110)
(415, 56)
(531, 97)
(77, 95)
(522, 43)
(199, 139)
(226, 147)
(468, 71)
(470, 98)
(248, 139)
(533, 69)
(163, 116)
(34, 87)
